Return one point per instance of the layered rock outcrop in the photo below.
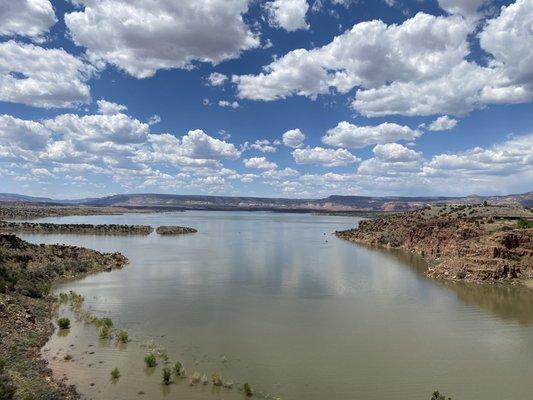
(472, 243)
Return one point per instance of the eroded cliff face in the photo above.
(473, 243)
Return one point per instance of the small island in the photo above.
(473, 243)
(175, 230)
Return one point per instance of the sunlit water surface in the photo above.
(278, 301)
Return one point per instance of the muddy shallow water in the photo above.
(276, 300)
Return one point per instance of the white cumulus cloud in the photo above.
(293, 138)
(143, 36)
(326, 157)
(288, 14)
(259, 163)
(31, 18)
(443, 123)
(346, 134)
(41, 77)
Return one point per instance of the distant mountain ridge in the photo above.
(331, 204)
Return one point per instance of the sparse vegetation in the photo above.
(115, 374)
(167, 375)
(63, 323)
(247, 389)
(150, 360)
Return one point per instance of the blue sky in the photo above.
(292, 98)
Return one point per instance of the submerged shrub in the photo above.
(108, 322)
(216, 379)
(75, 298)
(63, 323)
(247, 389)
(150, 360)
(167, 375)
(115, 374)
(122, 336)
(437, 396)
(104, 332)
(178, 368)
(195, 378)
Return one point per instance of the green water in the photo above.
(278, 301)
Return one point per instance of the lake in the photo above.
(277, 301)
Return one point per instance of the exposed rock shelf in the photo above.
(105, 229)
(471, 243)
(175, 230)
(26, 273)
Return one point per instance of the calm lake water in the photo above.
(276, 300)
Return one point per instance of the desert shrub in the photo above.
(247, 389)
(115, 374)
(63, 323)
(150, 360)
(167, 375)
(34, 290)
(122, 336)
(178, 368)
(216, 379)
(7, 390)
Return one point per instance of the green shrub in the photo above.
(115, 374)
(178, 368)
(167, 374)
(150, 360)
(63, 323)
(524, 224)
(216, 379)
(122, 336)
(247, 389)
(63, 297)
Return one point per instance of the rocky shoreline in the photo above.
(104, 229)
(27, 272)
(174, 230)
(472, 243)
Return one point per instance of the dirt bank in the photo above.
(27, 272)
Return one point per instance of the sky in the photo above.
(277, 98)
